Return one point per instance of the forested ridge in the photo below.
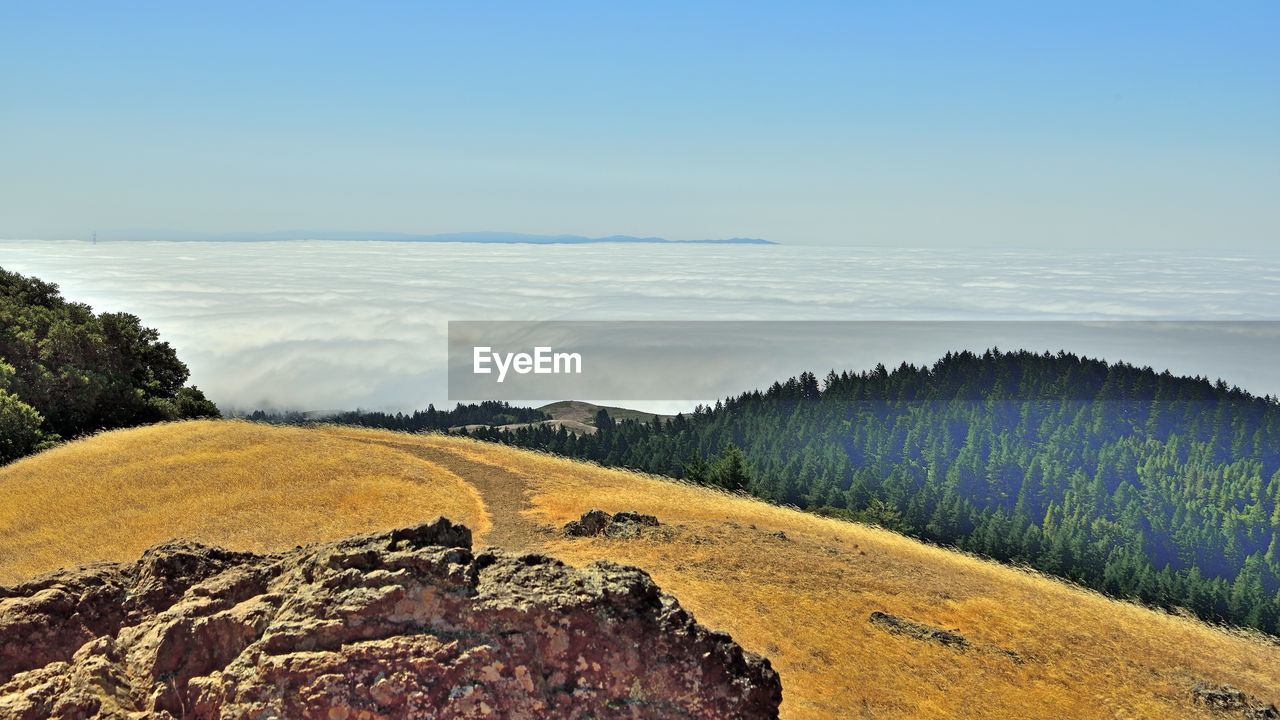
(65, 370)
(1136, 483)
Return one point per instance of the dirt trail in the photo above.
(504, 493)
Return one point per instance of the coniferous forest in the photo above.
(1136, 483)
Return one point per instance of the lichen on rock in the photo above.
(397, 624)
(620, 526)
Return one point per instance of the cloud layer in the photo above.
(331, 325)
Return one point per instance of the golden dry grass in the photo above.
(803, 601)
(236, 484)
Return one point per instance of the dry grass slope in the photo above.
(243, 486)
(802, 600)
(804, 603)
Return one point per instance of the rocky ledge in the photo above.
(408, 623)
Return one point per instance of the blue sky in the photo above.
(1107, 125)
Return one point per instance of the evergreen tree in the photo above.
(730, 471)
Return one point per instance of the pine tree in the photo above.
(730, 471)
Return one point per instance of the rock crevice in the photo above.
(404, 623)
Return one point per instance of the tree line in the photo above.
(487, 413)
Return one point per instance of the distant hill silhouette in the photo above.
(507, 238)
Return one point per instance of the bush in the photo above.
(20, 432)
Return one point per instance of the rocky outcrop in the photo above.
(919, 631)
(947, 638)
(409, 623)
(621, 525)
(1227, 699)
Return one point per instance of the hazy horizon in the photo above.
(339, 325)
(931, 160)
(475, 236)
(1214, 253)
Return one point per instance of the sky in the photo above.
(1136, 125)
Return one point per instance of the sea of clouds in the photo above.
(329, 325)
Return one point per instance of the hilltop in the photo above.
(802, 590)
(574, 416)
(580, 415)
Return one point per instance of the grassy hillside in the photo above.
(245, 486)
(576, 411)
(802, 599)
(1140, 484)
(576, 416)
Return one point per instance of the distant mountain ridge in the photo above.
(508, 238)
